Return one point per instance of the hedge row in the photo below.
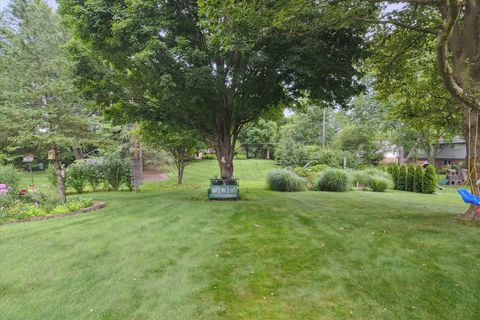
(414, 178)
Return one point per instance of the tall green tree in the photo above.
(214, 65)
(260, 137)
(37, 93)
(452, 31)
(180, 144)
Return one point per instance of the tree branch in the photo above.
(446, 71)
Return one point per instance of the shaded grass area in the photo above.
(161, 254)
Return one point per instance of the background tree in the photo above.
(451, 26)
(180, 144)
(216, 66)
(260, 137)
(37, 95)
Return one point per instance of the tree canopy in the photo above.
(213, 66)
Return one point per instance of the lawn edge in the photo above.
(96, 206)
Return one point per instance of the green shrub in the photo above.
(394, 172)
(410, 180)
(333, 180)
(209, 156)
(429, 180)
(240, 156)
(419, 174)
(115, 171)
(359, 177)
(77, 176)
(46, 199)
(285, 180)
(9, 176)
(402, 177)
(93, 172)
(378, 184)
(51, 175)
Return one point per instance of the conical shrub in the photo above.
(410, 181)
(402, 177)
(429, 180)
(417, 187)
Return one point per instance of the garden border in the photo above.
(96, 206)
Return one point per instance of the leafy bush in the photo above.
(310, 173)
(9, 176)
(429, 180)
(333, 180)
(285, 180)
(77, 176)
(378, 184)
(46, 199)
(240, 156)
(359, 177)
(51, 176)
(114, 170)
(402, 177)
(410, 179)
(93, 172)
(394, 171)
(375, 179)
(419, 174)
(209, 156)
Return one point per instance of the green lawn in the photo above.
(166, 254)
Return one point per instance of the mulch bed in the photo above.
(96, 205)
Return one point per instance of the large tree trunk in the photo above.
(59, 174)
(401, 155)
(181, 169)
(225, 152)
(470, 131)
(459, 39)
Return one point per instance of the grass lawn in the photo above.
(166, 254)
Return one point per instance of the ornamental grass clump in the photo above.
(379, 184)
(335, 180)
(285, 180)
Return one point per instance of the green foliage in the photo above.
(209, 156)
(419, 175)
(36, 82)
(375, 179)
(51, 175)
(362, 142)
(9, 176)
(378, 184)
(77, 176)
(333, 180)
(410, 179)
(289, 154)
(210, 67)
(93, 172)
(394, 171)
(285, 180)
(402, 178)
(115, 171)
(429, 180)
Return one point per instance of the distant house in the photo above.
(449, 152)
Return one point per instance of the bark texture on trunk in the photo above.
(470, 129)
(60, 176)
(225, 153)
(78, 153)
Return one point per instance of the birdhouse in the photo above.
(51, 155)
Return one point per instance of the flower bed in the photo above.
(23, 206)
